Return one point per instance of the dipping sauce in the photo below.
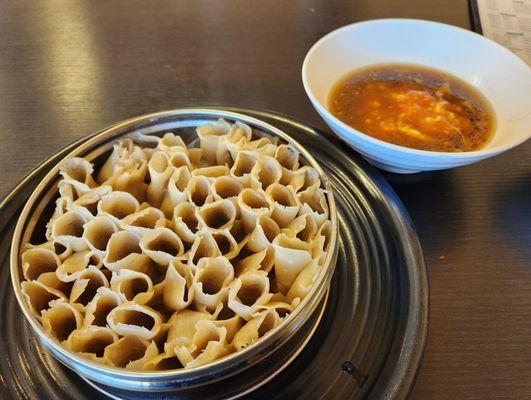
(413, 106)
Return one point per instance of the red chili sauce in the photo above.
(413, 106)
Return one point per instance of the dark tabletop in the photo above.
(68, 68)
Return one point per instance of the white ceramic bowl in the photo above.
(500, 75)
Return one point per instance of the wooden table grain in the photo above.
(68, 68)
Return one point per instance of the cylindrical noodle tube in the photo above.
(72, 268)
(281, 306)
(125, 350)
(253, 203)
(61, 319)
(176, 191)
(134, 319)
(129, 176)
(209, 135)
(255, 329)
(248, 291)
(170, 143)
(62, 250)
(132, 285)
(238, 131)
(285, 203)
(266, 171)
(263, 260)
(243, 165)
(100, 306)
(291, 256)
(303, 227)
(89, 201)
(211, 281)
(123, 251)
(160, 172)
(182, 325)
(309, 179)
(98, 231)
(313, 202)
(262, 146)
(227, 318)
(68, 228)
(226, 243)
(87, 284)
(302, 285)
(325, 231)
(78, 172)
(163, 362)
(107, 169)
(144, 220)
(203, 246)
(263, 234)
(51, 280)
(150, 354)
(37, 260)
(217, 216)
(91, 340)
(185, 222)
(287, 156)
(177, 282)
(161, 245)
(198, 191)
(227, 187)
(39, 296)
(181, 159)
(208, 344)
(118, 205)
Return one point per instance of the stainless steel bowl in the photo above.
(261, 360)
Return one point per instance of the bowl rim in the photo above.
(481, 153)
(116, 131)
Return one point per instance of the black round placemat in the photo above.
(370, 341)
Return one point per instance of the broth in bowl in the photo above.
(413, 106)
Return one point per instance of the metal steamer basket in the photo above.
(259, 362)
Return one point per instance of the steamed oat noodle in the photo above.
(172, 257)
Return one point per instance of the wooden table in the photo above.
(68, 68)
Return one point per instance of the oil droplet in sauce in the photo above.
(413, 106)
